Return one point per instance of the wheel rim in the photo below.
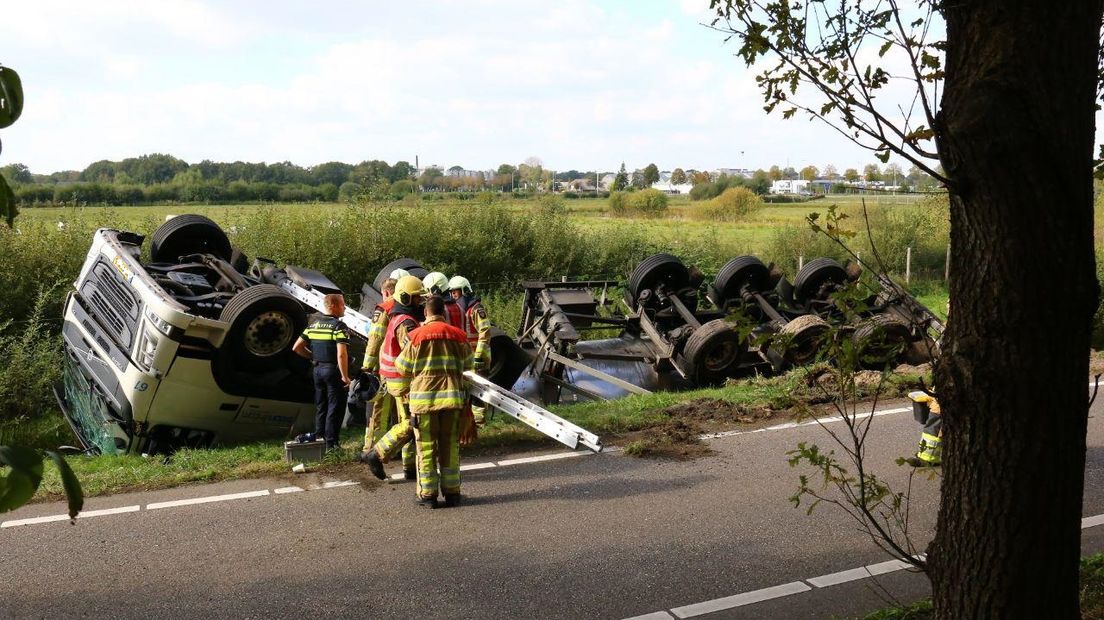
(268, 333)
(720, 357)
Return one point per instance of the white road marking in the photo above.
(834, 579)
(34, 521)
(882, 568)
(285, 490)
(335, 484)
(88, 514)
(541, 458)
(739, 600)
(475, 466)
(656, 615)
(1093, 521)
(108, 511)
(206, 500)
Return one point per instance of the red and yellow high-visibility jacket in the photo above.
(432, 366)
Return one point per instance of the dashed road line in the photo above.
(286, 490)
(658, 615)
(206, 500)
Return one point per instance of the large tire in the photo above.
(188, 234)
(818, 279)
(655, 270)
(264, 324)
(735, 275)
(414, 267)
(804, 338)
(508, 359)
(712, 353)
(879, 340)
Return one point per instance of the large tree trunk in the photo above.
(1016, 138)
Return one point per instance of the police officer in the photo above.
(325, 343)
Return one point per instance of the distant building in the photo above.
(733, 172)
(788, 186)
(664, 184)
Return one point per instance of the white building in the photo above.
(787, 186)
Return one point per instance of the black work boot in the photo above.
(375, 465)
(452, 500)
(427, 502)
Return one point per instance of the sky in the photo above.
(579, 84)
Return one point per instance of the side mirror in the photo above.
(11, 97)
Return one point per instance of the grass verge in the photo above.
(1092, 597)
(615, 421)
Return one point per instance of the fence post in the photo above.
(908, 264)
(947, 265)
(800, 262)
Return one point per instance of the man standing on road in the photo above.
(478, 329)
(432, 370)
(405, 315)
(325, 343)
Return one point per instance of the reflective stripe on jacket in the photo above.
(478, 329)
(432, 367)
(377, 329)
(397, 336)
(323, 335)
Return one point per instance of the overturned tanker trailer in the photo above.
(675, 331)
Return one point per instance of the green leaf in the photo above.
(8, 210)
(73, 492)
(884, 48)
(23, 478)
(788, 113)
(882, 156)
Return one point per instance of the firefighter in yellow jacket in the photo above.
(383, 405)
(477, 327)
(432, 367)
(403, 317)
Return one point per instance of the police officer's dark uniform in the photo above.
(330, 392)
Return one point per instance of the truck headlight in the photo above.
(161, 324)
(147, 349)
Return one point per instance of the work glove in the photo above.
(468, 431)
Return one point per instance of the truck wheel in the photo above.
(712, 353)
(804, 336)
(655, 270)
(736, 273)
(508, 359)
(879, 340)
(264, 323)
(188, 234)
(818, 279)
(414, 267)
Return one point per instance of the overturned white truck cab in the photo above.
(191, 347)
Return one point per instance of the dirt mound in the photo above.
(823, 387)
(677, 439)
(716, 410)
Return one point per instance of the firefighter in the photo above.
(383, 405)
(404, 317)
(927, 412)
(437, 284)
(478, 328)
(431, 369)
(325, 343)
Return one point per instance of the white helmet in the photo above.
(459, 282)
(435, 282)
(398, 274)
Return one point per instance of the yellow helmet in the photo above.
(407, 288)
(435, 282)
(459, 282)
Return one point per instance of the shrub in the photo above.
(710, 190)
(735, 204)
(618, 203)
(401, 188)
(649, 202)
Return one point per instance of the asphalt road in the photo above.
(595, 536)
